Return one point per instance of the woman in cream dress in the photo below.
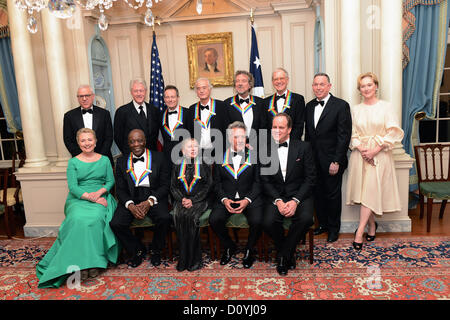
(372, 182)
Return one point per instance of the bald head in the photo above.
(137, 142)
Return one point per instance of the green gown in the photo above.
(85, 239)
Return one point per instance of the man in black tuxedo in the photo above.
(142, 187)
(88, 116)
(238, 191)
(289, 191)
(207, 122)
(245, 107)
(137, 114)
(285, 101)
(174, 118)
(328, 126)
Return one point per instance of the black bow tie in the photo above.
(321, 102)
(240, 153)
(138, 159)
(86, 110)
(241, 101)
(172, 112)
(204, 107)
(283, 96)
(284, 144)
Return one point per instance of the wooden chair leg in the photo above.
(236, 236)
(441, 212)
(429, 212)
(311, 245)
(7, 222)
(422, 204)
(260, 246)
(169, 244)
(211, 243)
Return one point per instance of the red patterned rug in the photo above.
(387, 269)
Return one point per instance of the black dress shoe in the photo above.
(292, 263)
(332, 237)
(282, 267)
(319, 230)
(371, 238)
(196, 266)
(226, 256)
(156, 259)
(136, 260)
(248, 260)
(181, 267)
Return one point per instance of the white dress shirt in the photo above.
(87, 118)
(319, 109)
(248, 116)
(205, 140)
(281, 101)
(139, 168)
(173, 118)
(283, 156)
(139, 110)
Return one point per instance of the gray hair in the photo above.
(138, 80)
(203, 79)
(322, 74)
(235, 125)
(281, 69)
(82, 86)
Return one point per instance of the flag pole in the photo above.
(252, 17)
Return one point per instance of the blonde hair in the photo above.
(370, 75)
(85, 130)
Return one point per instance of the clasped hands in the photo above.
(242, 205)
(96, 197)
(140, 210)
(286, 209)
(368, 155)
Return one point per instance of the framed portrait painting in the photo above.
(211, 56)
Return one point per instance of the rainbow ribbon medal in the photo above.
(147, 171)
(238, 107)
(287, 104)
(230, 168)
(182, 176)
(211, 114)
(179, 122)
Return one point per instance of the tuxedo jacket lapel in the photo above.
(325, 111)
(95, 118)
(292, 157)
(78, 118)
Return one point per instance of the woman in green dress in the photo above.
(85, 240)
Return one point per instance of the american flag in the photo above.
(156, 79)
(255, 67)
(157, 85)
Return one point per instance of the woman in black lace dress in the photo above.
(190, 184)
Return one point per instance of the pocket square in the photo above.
(298, 159)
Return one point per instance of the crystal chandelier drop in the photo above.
(65, 8)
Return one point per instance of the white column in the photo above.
(390, 88)
(57, 74)
(26, 87)
(350, 60)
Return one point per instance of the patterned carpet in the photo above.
(387, 269)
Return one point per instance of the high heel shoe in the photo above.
(371, 238)
(357, 245)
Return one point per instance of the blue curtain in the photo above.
(422, 75)
(8, 89)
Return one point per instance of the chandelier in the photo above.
(65, 9)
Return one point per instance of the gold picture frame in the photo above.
(211, 56)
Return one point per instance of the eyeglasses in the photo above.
(84, 96)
